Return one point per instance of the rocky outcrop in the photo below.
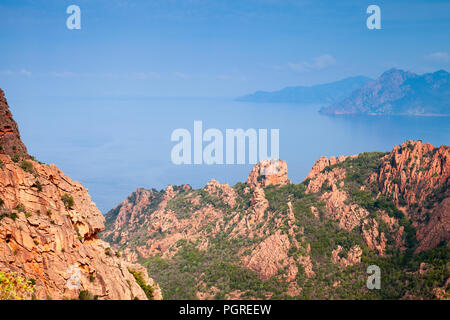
(49, 231)
(322, 163)
(330, 183)
(416, 176)
(413, 171)
(142, 271)
(286, 236)
(10, 142)
(353, 256)
(227, 194)
(42, 237)
(268, 172)
(269, 256)
(374, 239)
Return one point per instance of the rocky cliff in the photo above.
(49, 230)
(269, 238)
(10, 142)
(416, 176)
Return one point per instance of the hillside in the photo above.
(323, 93)
(270, 239)
(398, 92)
(49, 233)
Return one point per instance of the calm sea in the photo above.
(114, 146)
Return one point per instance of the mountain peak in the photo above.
(399, 74)
(269, 172)
(10, 142)
(398, 92)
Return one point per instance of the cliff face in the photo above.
(269, 238)
(268, 172)
(416, 176)
(49, 230)
(10, 142)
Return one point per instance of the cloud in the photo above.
(22, 72)
(108, 75)
(439, 56)
(25, 72)
(62, 74)
(182, 75)
(145, 75)
(229, 77)
(7, 72)
(317, 63)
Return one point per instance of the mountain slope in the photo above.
(324, 93)
(269, 238)
(49, 230)
(399, 92)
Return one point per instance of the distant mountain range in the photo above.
(395, 92)
(398, 92)
(323, 93)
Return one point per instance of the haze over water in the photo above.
(113, 146)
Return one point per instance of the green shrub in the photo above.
(16, 157)
(37, 185)
(27, 166)
(68, 200)
(148, 289)
(86, 295)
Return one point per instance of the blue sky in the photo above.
(96, 101)
(211, 48)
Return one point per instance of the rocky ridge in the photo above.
(344, 214)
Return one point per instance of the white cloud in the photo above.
(317, 63)
(22, 72)
(145, 75)
(108, 75)
(182, 75)
(7, 72)
(25, 72)
(439, 56)
(62, 74)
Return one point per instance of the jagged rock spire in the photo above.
(10, 142)
(268, 172)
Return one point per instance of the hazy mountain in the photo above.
(399, 92)
(323, 93)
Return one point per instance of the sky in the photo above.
(97, 101)
(211, 48)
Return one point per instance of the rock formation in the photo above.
(10, 142)
(268, 172)
(311, 239)
(416, 175)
